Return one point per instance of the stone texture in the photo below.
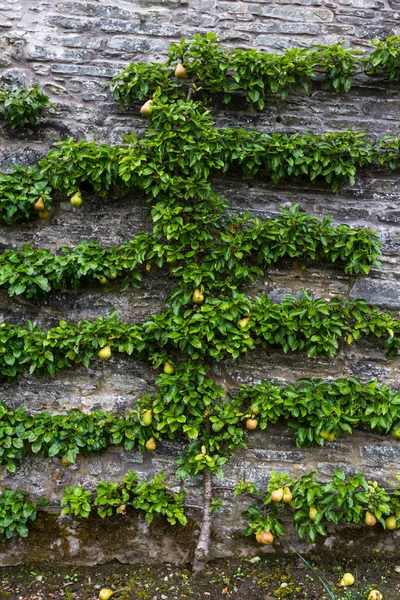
(71, 48)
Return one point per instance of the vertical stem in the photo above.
(201, 552)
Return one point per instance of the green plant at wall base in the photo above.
(76, 501)
(21, 107)
(345, 499)
(15, 513)
(314, 505)
(149, 496)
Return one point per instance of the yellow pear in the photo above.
(103, 280)
(243, 322)
(180, 71)
(312, 513)
(39, 205)
(147, 417)
(287, 495)
(105, 594)
(347, 580)
(147, 108)
(76, 199)
(369, 519)
(104, 352)
(150, 445)
(391, 522)
(375, 595)
(197, 297)
(43, 214)
(168, 368)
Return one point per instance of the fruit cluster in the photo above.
(345, 498)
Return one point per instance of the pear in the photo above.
(104, 352)
(43, 214)
(369, 519)
(251, 423)
(197, 297)
(243, 322)
(396, 433)
(312, 513)
(265, 537)
(103, 280)
(292, 504)
(277, 495)
(255, 410)
(391, 522)
(168, 368)
(76, 199)
(375, 595)
(65, 461)
(105, 594)
(147, 108)
(148, 267)
(39, 205)
(147, 417)
(150, 445)
(287, 495)
(347, 579)
(180, 71)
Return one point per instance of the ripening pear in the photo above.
(76, 199)
(251, 423)
(105, 594)
(375, 595)
(147, 108)
(43, 214)
(104, 352)
(287, 495)
(277, 495)
(168, 368)
(197, 297)
(328, 437)
(243, 322)
(312, 513)
(39, 205)
(150, 445)
(369, 519)
(103, 280)
(396, 433)
(391, 522)
(255, 410)
(180, 71)
(147, 417)
(265, 537)
(347, 580)
(65, 461)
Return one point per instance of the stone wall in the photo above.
(72, 49)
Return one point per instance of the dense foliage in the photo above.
(210, 255)
(21, 107)
(215, 69)
(314, 505)
(240, 251)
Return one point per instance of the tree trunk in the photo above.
(201, 552)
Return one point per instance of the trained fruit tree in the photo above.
(210, 255)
